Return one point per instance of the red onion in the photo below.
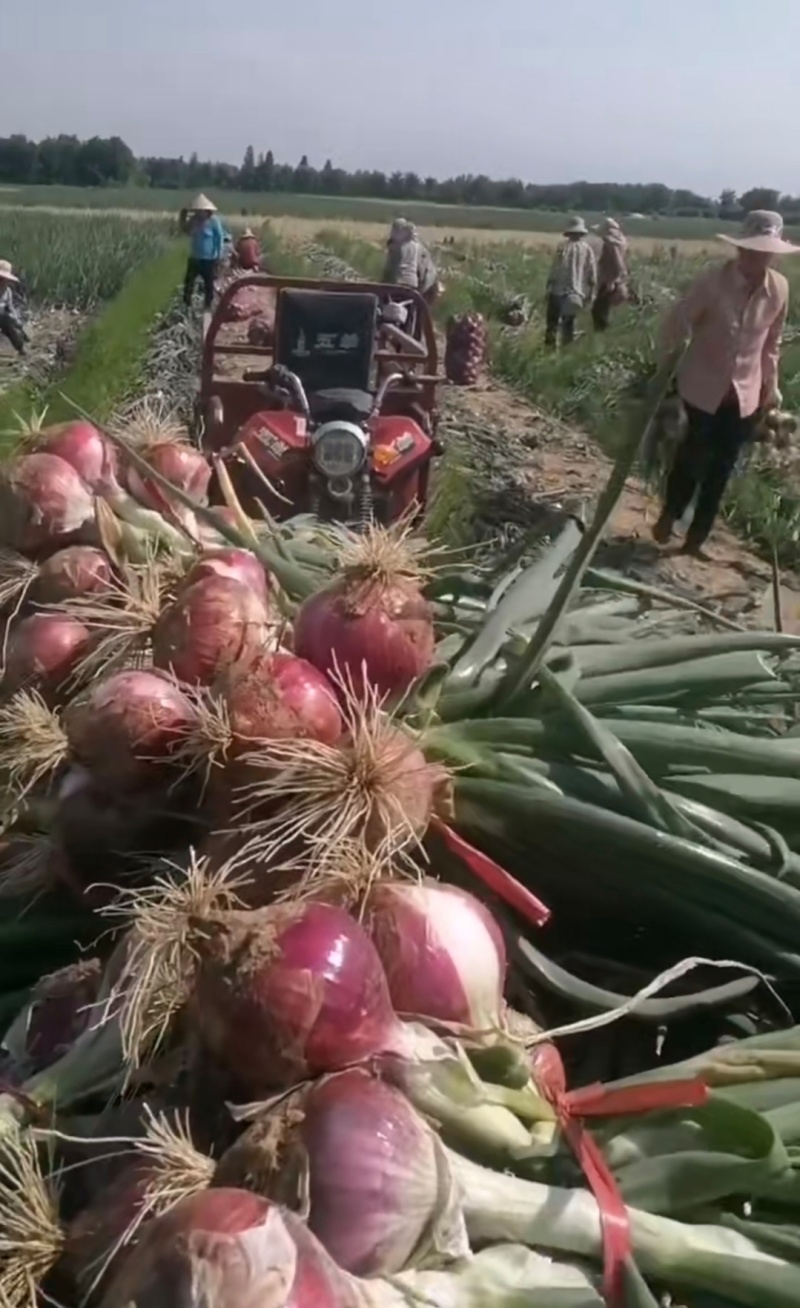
(44, 649)
(442, 952)
(289, 992)
(235, 564)
(372, 623)
(85, 448)
(181, 464)
(229, 1249)
(43, 504)
(278, 696)
(373, 630)
(127, 725)
(379, 1188)
(211, 626)
(70, 573)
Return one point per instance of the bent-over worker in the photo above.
(612, 273)
(248, 251)
(206, 242)
(10, 322)
(733, 316)
(409, 261)
(571, 283)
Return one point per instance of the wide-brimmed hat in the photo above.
(576, 227)
(7, 273)
(202, 204)
(399, 229)
(248, 231)
(762, 230)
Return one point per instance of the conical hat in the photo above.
(248, 232)
(201, 202)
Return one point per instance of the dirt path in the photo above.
(524, 466)
(52, 333)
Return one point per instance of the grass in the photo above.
(78, 263)
(111, 349)
(325, 208)
(591, 385)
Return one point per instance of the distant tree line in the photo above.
(101, 161)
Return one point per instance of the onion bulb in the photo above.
(278, 697)
(44, 649)
(211, 626)
(71, 573)
(127, 726)
(442, 952)
(181, 464)
(235, 564)
(44, 504)
(379, 1188)
(86, 449)
(288, 992)
(226, 1248)
(372, 625)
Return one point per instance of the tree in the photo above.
(247, 173)
(760, 197)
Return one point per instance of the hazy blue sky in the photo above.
(688, 92)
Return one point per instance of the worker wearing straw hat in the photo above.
(733, 316)
(206, 243)
(10, 323)
(571, 283)
(612, 273)
(248, 251)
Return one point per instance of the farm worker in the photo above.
(248, 251)
(612, 273)
(409, 261)
(206, 241)
(733, 316)
(571, 283)
(10, 323)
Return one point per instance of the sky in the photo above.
(692, 93)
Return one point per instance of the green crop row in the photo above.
(79, 261)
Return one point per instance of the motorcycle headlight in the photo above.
(339, 449)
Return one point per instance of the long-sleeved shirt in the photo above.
(611, 265)
(735, 332)
(573, 273)
(9, 307)
(409, 263)
(206, 239)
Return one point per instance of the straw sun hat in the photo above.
(576, 227)
(7, 273)
(762, 230)
(202, 204)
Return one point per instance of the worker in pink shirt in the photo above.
(733, 316)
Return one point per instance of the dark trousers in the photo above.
(205, 270)
(560, 315)
(704, 462)
(13, 331)
(601, 310)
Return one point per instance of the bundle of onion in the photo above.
(376, 1175)
(44, 504)
(372, 624)
(124, 730)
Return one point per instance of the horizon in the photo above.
(485, 93)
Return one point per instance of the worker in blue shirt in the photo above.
(206, 241)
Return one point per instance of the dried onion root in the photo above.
(31, 1235)
(374, 792)
(33, 743)
(123, 618)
